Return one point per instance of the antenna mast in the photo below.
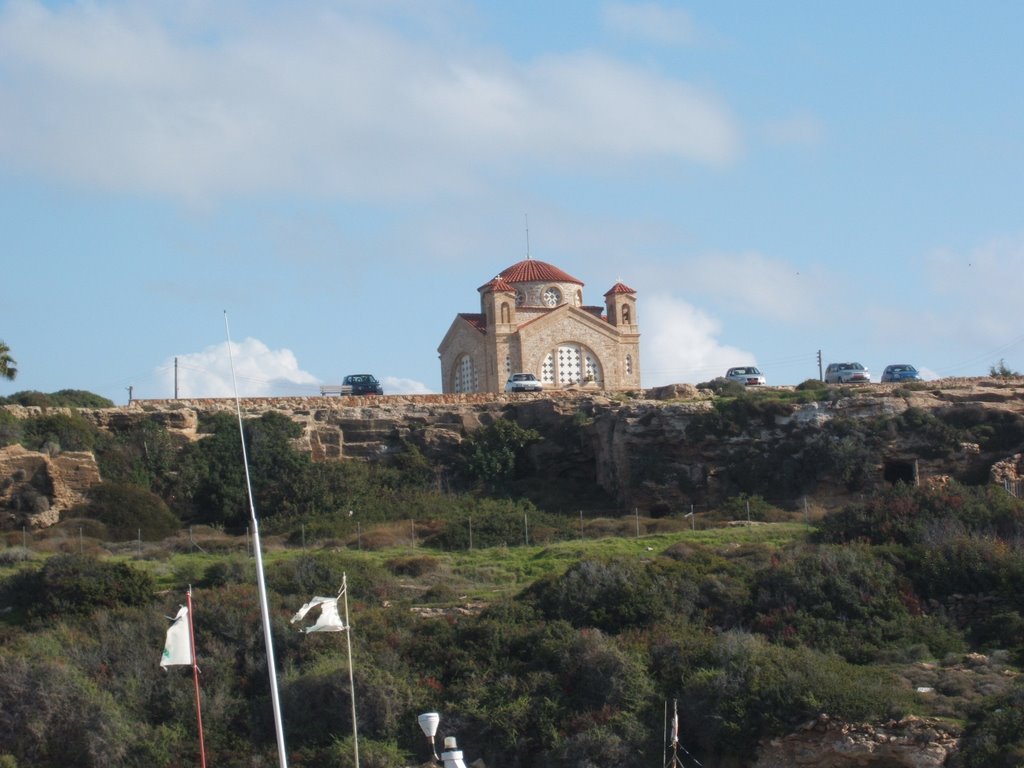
(527, 217)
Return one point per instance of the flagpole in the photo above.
(195, 678)
(261, 582)
(351, 680)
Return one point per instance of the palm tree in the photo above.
(7, 363)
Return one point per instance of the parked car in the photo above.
(523, 382)
(846, 373)
(363, 384)
(900, 372)
(747, 375)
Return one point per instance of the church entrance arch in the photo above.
(570, 363)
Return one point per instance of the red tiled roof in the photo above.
(475, 319)
(619, 288)
(533, 271)
(497, 285)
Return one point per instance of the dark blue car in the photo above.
(900, 372)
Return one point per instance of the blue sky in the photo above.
(340, 177)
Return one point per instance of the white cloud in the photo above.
(650, 21)
(322, 99)
(681, 345)
(259, 371)
(395, 385)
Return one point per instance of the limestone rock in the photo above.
(912, 742)
(36, 488)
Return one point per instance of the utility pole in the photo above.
(175, 378)
(821, 376)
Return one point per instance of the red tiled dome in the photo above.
(533, 271)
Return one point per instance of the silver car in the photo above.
(523, 382)
(847, 373)
(746, 375)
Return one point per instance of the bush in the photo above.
(69, 432)
(77, 584)
(129, 511)
(994, 737)
(496, 455)
(613, 595)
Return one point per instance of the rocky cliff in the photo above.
(659, 451)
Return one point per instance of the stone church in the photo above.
(532, 319)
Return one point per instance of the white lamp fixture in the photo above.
(428, 724)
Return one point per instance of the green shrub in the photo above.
(10, 428)
(129, 511)
(77, 584)
(497, 454)
(994, 736)
(67, 431)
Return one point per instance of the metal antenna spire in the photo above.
(527, 217)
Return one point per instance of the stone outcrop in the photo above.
(36, 488)
(912, 742)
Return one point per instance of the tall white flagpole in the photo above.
(258, 550)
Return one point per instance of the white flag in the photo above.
(178, 645)
(328, 621)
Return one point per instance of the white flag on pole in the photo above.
(178, 645)
(328, 621)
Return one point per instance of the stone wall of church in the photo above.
(569, 328)
(463, 339)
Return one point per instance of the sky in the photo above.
(326, 183)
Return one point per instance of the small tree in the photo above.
(1001, 371)
(496, 455)
(8, 365)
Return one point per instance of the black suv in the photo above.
(363, 384)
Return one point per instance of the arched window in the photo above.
(625, 315)
(506, 313)
(466, 379)
(629, 365)
(570, 364)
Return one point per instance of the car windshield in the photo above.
(523, 377)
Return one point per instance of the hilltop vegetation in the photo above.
(543, 639)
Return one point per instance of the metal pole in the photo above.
(351, 680)
(176, 377)
(268, 637)
(636, 514)
(195, 678)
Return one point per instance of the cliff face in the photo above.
(912, 742)
(658, 453)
